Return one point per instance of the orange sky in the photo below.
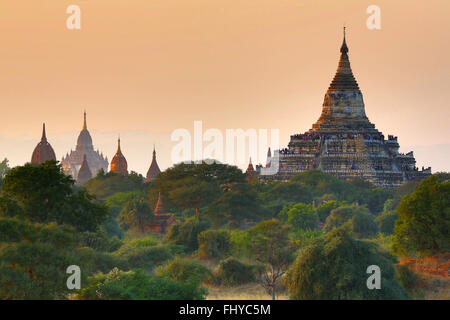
(145, 68)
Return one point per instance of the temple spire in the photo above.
(344, 79)
(84, 122)
(44, 136)
(344, 48)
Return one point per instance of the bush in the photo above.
(357, 218)
(334, 267)
(184, 270)
(232, 272)
(300, 216)
(323, 210)
(136, 285)
(214, 244)
(424, 220)
(186, 233)
(405, 276)
(386, 221)
(144, 257)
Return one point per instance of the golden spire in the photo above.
(84, 122)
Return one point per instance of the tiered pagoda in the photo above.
(161, 220)
(344, 143)
(119, 163)
(72, 162)
(43, 151)
(154, 170)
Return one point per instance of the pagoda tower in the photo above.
(154, 170)
(72, 161)
(84, 174)
(43, 151)
(118, 162)
(250, 172)
(344, 143)
(161, 221)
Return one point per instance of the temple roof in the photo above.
(154, 170)
(250, 168)
(118, 162)
(43, 151)
(85, 173)
(344, 79)
(84, 138)
(343, 109)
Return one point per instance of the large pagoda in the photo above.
(72, 162)
(344, 143)
(43, 151)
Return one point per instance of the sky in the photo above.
(143, 69)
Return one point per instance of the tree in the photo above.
(232, 272)
(333, 267)
(186, 233)
(323, 210)
(44, 194)
(185, 270)
(194, 186)
(424, 220)
(358, 218)
(238, 202)
(136, 215)
(105, 185)
(214, 244)
(34, 258)
(300, 216)
(136, 285)
(270, 246)
(386, 221)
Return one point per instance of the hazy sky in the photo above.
(146, 68)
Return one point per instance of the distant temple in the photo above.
(118, 162)
(250, 173)
(344, 143)
(72, 162)
(154, 170)
(43, 151)
(84, 174)
(161, 220)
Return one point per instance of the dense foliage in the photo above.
(334, 267)
(423, 225)
(228, 233)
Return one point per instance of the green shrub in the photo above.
(334, 267)
(386, 221)
(186, 233)
(323, 210)
(232, 272)
(214, 244)
(185, 270)
(357, 218)
(405, 276)
(136, 285)
(144, 257)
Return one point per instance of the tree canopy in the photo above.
(424, 219)
(334, 267)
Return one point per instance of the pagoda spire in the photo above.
(159, 208)
(44, 136)
(344, 79)
(84, 121)
(154, 170)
